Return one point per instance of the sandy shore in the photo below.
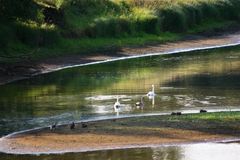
(28, 69)
(121, 133)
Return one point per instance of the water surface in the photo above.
(190, 81)
(207, 151)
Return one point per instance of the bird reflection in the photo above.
(167, 153)
(140, 105)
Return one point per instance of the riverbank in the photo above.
(127, 133)
(27, 69)
(42, 36)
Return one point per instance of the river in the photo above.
(182, 82)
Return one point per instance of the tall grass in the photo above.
(122, 18)
(56, 21)
(131, 17)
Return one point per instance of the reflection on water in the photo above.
(182, 82)
(182, 152)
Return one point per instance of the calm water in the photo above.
(209, 80)
(183, 152)
(182, 82)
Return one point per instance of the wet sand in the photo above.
(193, 42)
(122, 133)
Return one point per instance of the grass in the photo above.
(226, 123)
(85, 46)
(64, 27)
(218, 117)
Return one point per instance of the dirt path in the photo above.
(21, 71)
(121, 133)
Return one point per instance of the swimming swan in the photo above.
(151, 93)
(140, 104)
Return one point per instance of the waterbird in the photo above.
(151, 93)
(140, 104)
(203, 111)
(176, 113)
(84, 125)
(72, 126)
(117, 105)
(53, 126)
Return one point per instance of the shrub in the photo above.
(172, 20)
(6, 35)
(36, 37)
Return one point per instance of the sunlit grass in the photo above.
(90, 25)
(34, 25)
(218, 116)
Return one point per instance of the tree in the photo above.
(12, 9)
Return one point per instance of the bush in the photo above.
(228, 10)
(209, 11)
(12, 9)
(193, 15)
(172, 20)
(93, 6)
(6, 35)
(36, 37)
(147, 25)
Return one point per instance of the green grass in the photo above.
(218, 116)
(91, 46)
(221, 122)
(226, 123)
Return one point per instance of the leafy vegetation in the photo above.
(43, 28)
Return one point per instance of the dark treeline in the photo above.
(12, 9)
(20, 24)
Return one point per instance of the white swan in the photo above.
(151, 93)
(117, 105)
(140, 104)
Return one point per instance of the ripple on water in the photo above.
(214, 97)
(105, 97)
(232, 57)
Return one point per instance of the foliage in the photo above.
(44, 23)
(12, 9)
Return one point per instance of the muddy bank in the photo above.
(27, 69)
(120, 133)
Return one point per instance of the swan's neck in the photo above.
(117, 99)
(141, 99)
(152, 88)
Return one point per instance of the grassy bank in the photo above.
(61, 27)
(227, 119)
(122, 133)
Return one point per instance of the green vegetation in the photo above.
(35, 29)
(219, 117)
(216, 116)
(221, 122)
